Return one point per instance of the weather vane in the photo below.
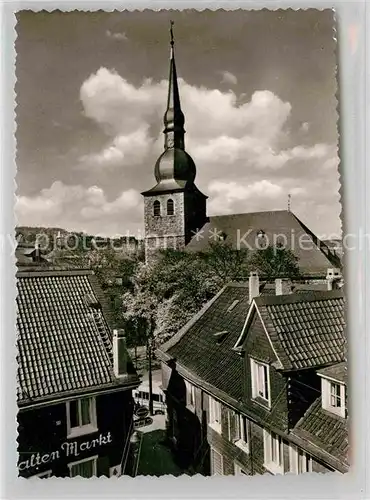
(171, 31)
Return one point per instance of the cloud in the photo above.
(117, 105)
(247, 158)
(121, 36)
(305, 127)
(128, 150)
(226, 197)
(81, 209)
(229, 78)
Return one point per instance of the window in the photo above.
(273, 452)
(81, 417)
(242, 432)
(83, 468)
(260, 381)
(300, 461)
(215, 415)
(190, 394)
(335, 400)
(170, 207)
(156, 208)
(333, 396)
(216, 463)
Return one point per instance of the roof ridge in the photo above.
(238, 284)
(250, 213)
(306, 296)
(53, 272)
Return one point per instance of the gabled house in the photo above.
(249, 369)
(75, 378)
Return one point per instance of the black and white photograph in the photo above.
(179, 244)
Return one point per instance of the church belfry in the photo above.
(174, 209)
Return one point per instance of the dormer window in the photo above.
(157, 208)
(333, 396)
(260, 379)
(170, 207)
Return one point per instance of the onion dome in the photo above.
(174, 168)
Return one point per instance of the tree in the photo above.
(140, 310)
(275, 262)
(169, 291)
(182, 282)
(226, 263)
(113, 268)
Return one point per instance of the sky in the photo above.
(257, 90)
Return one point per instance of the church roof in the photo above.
(278, 226)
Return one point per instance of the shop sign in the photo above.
(68, 449)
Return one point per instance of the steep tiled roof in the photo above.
(280, 225)
(210, 356)
(306, 329)
(325, 430)
(61, 347)
(337, 372)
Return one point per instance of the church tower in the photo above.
(174, 209)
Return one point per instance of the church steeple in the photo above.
(174, 209)
(173, 118)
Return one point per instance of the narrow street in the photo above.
(154, 457)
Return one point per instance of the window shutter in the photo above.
(210, 410)
(266, 446)
(216, 462)
(253, 378)
(188, 393)
(293, 459)
(232, 422)
(237, 434)
(224, 421)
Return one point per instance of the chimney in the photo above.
(119, 353)
(254, 285)
(333, 278)
(283, 286)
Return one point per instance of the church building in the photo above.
(175, 213)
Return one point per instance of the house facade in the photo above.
(264, 379)
(75, 378)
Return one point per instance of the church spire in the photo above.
(173, 118)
